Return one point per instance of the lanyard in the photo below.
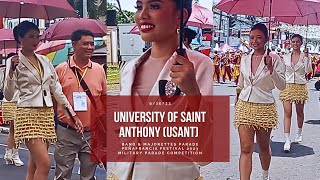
(82, 76)
(39, 68)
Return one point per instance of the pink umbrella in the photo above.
(270, 8)
(7, 39)
(200, 17)
(7, 43)
(262, 7)
(8, 51)
(63, 29)
(311, 19)
(51, 46)
(42, 9)
(6, 34)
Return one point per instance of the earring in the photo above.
(178, 31)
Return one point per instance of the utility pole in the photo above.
(228, 31)
(220, 28)
(240, 30)
(213, 31)
(85, 9)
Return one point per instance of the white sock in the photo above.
(265, 173)
(299, 130)
(287, 136)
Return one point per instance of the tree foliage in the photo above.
(98, 8)
(121, 19)
(94, 7)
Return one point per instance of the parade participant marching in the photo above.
(216, 66)
(9, 108)
(73, 74)
(298, 64)
(140, 77)
(314, 64)
(256, 112)
(225, 67)
(34, 77)
(236, 68)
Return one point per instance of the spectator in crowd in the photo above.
(73, 74)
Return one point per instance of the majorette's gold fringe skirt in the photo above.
(9, 110)
(295, 93)
(112, 176)
(34, 123)
(256, 115)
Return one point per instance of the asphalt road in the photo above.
(10, 172)
(302, 163)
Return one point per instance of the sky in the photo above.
(129, 4)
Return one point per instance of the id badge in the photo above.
(80, 101)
